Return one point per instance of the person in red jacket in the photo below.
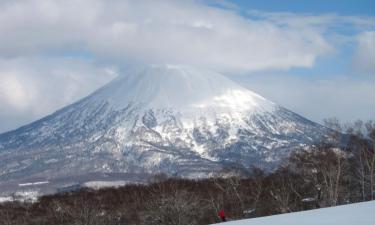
(222, 215)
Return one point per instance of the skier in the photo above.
(222, 215)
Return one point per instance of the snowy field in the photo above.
(353, 214)
(104, 184)
(21, 196)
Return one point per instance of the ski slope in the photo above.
(352, 214)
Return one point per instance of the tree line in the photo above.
(338, 170)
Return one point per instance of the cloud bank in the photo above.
(32, 88)
(347, 98)
(185, 32)
(364, 58)
(55, 52)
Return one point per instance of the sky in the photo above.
(316, 58)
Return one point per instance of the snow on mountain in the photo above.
(173, 119)
(184, 89)
(352, 214)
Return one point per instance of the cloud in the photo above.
(32, 88)
(185, 32)
(364, 58)
(346, 97)
(320, 21)
(337, 30)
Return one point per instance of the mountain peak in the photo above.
(181, 88)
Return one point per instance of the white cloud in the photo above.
(32, 88)
(345, 97)
(337, 29)
(186, 32)
(364, 59)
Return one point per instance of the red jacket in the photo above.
(221, 213)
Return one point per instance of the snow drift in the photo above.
(352, 214)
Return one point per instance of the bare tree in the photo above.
(362, 147)
(5, 218)
(175, 208)
(283, 189)
(81, 211)
(324, 167)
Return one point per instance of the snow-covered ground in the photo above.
(104, 184)
(6, 199)
(352, 214)
(33, 183)
(21, 196)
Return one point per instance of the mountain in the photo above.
(173, 119)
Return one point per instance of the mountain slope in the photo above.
(173, 119)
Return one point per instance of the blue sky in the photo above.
(342, 7)
(313, 57)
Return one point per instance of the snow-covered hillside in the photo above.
(352, 214)
(173, 119)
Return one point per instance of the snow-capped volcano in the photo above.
(173, 119)
(183, 89)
